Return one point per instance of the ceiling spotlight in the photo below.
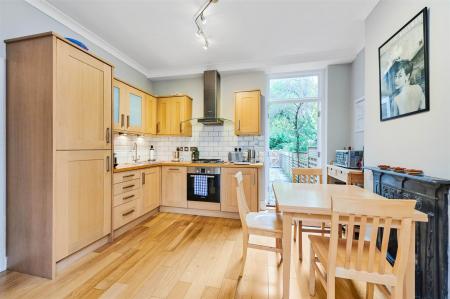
(200, 19)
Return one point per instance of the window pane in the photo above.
(294, 88)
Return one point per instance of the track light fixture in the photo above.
(200, 16)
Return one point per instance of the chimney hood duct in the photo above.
(211, 99)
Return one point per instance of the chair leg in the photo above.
(312, 272)
(295, 230)
(244, 252)
(300, 240)
(369, 290)
(331, 287)
(279, 245)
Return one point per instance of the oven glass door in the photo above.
(203, 187)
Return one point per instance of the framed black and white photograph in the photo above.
(403, 66)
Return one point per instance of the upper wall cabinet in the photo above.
(150, 115)
(128, 108)
(174, 113)
(83, 105)
(247, 115)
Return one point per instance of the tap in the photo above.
(135, 153)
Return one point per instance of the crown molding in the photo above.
(67, 21)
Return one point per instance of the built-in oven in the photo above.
(203, 184)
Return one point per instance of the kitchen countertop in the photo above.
(143, 165)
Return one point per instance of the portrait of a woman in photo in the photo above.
(406, 97)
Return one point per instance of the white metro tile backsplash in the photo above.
(212, 142)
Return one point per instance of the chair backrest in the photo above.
(376, 213)
(242, 202)
(307, 175)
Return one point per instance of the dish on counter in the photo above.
(384, 167)
(414, 171)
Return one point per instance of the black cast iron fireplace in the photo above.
(432, 237)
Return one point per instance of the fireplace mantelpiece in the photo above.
(432, 237)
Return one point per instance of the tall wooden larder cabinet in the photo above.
(58, 151)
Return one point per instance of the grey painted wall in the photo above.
(357, 92)
(18, 18)
(338, 112)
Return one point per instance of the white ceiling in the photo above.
(244, 34)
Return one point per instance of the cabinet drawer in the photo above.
(126, 176)
(338, 174)
(127, 197)
(126, 186)
(124, 213)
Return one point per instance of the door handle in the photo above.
(181, 130)
(107, 164)
(128, 176)
(143, 178)
(128, 121)
(122, 120)
(128, 187)
(128, 197)
(128, 213)
(107, 135)
(239, 125)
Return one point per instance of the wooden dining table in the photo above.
(313, 202)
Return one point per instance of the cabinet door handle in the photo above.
(128, 197)
(157, 127)
(107, 135)
(173, 169)
(107, 164)
(239, 125)
(128, 213)
(180, 128)
(128, 121)
(143, 178)
(128, 187)
(128, 176)
(122, 120)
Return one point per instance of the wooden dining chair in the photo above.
(267, 224)
(360, 259)
(306, 176)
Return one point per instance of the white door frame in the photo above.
(321, 125)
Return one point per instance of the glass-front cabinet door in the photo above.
(134, 120)
(116, 109)
(120, 105)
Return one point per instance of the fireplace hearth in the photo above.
(432, 237)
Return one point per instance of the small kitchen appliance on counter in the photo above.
(349, 159)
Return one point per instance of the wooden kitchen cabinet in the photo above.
(174, 113)
(83, 100)
(174, 186)
(151, 190)
(228, 197)
(58, 122)
(150, 115)
(129, 105)
(82, 199)
(247, 115)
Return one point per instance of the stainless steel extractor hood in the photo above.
(211, 99)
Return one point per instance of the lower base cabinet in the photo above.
(136, 193)
(174, 186)
(151, 190)
(82, 199)
(228, 196)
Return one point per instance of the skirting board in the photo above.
(200, 212)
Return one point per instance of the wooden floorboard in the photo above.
(179, 257)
